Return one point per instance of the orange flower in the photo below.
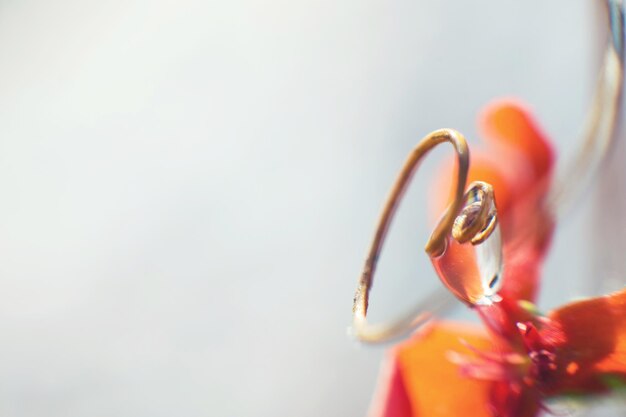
(521, 358)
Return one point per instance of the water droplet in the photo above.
(471, 264)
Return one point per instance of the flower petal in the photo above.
(522, 272)
(392, 399)
(515, 137)
(433, 384)
(592, 347)
(508, 122)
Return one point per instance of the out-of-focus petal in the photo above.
(520, 146)
(514, 401)
(433, 384)
(592, 351)
(392, 399)
(522, 273)
(510, 123)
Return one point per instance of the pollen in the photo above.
(572, 368)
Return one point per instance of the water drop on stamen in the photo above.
(471, 264)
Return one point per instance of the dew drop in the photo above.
(471, 266)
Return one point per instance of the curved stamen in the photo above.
(436, 243)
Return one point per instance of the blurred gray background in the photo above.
(188, 188)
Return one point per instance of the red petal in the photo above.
(520, 280)
(434, 385)
(510, 123)
(594, 342)
(521, 147)
(392, 399)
